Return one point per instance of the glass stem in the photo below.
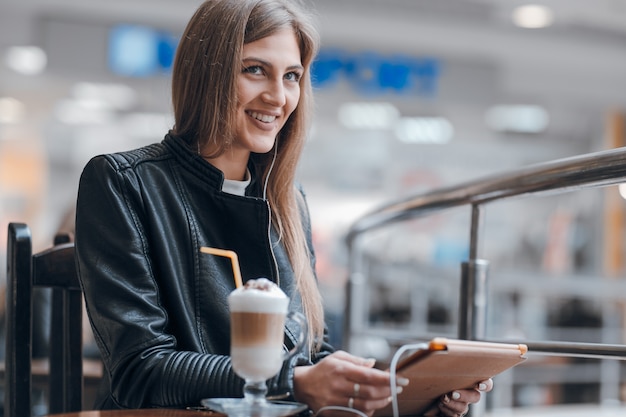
(255, 391)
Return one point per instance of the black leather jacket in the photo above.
(157, 305)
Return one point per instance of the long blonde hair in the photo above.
(204, 93)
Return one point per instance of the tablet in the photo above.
(445, 365)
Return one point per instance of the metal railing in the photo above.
(564, 175)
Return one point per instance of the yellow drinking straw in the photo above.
(233, 258)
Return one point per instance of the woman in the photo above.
(223, 177)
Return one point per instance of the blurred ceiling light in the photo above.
(622, 191)
(433, 130)
(11, 110)
(117, 96)
(27, 60)
(368, 115)
(532, 16)
(517, 118)
(75, 112)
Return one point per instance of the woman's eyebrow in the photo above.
(269, 64)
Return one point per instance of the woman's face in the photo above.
(268, 90)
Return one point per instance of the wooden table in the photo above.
(152, 412)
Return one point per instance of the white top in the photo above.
(236, 187)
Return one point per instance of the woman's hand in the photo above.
(344, 380)
(456, 403)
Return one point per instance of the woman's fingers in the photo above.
(457, 402)
(485, 386)
(342, 379)
(370, 405)
(367, 362)
(453, 404)
(360, 385)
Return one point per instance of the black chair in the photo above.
(54, 268)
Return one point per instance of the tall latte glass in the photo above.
(258, 313)
(257, 322)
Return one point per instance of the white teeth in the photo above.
(262, 117)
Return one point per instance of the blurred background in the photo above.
(411, 95)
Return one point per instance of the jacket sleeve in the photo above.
(142, 361)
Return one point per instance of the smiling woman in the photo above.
(223, 178)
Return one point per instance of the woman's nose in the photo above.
(274, 94)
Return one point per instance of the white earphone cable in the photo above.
(392, 371)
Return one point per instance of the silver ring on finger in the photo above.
(350, 402)
(357, 388)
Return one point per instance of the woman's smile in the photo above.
(261, 117)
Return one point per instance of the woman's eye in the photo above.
(293, 76)
(254, 69)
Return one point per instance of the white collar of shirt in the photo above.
(236, 187)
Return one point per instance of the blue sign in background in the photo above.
(370, 72)
(138, 51)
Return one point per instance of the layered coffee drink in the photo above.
(257, 316)
(258, 312)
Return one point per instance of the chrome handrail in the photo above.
(583, 171)
(590, 170)
(573, 349)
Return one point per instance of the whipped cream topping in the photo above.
(263, 284)
(259, 295)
